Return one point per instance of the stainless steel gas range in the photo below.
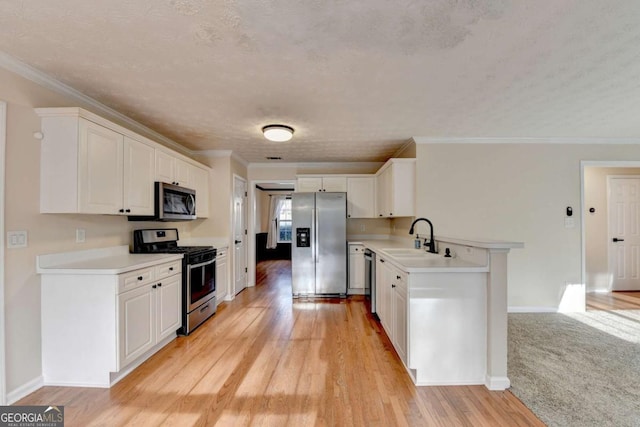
(198, 277)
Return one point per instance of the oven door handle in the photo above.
(202, 264)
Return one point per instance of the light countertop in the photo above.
(431, 263)
(114, 260)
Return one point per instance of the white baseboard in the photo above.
(25, 390)
(497, 383)
(448, 383)
(521, 309)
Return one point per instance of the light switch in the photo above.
(17, 239)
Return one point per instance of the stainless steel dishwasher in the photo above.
(370, 278)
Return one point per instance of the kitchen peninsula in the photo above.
(446, 317)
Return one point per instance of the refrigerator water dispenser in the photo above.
(302, 237)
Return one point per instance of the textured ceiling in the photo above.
(356, 79)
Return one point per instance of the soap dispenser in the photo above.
(417, 243)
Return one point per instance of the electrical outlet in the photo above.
(17, 239)
(80, 235)
(362, 227)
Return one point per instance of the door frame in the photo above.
(251, 224)
(3, 143)
(583, 207)
(232, 286)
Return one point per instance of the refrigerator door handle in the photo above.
(316, 246)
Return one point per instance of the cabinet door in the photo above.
(100, 169)
(383, 294)
(334, 183)
(182, 173)
(399, 308)
(383, 188)
(356, 267)
(168, 306)
(200, 183)
(139, 172)
(401, 189)
(222, 276)
(136, 322)
(309, 184)
(165, 167)
(361, 197)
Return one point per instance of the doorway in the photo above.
(599, 251)
(266, 196)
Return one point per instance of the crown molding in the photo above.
(30, 73)
(404, 147)
(525, 140)
(315, 165)
(222, 153)
(214, 153)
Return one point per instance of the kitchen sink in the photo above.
(409, 253)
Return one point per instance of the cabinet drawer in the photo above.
(134, 279)
(168, 269)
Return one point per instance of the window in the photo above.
(284, 222)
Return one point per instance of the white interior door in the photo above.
(240, 233)
(624, 233)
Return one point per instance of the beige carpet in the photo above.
(579, 369)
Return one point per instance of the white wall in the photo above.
(597, 224)
(514, 192)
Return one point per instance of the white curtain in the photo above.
(275, 204)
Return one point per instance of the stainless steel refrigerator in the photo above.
(319, 243)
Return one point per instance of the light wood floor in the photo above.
(263, 360)
(613, 301)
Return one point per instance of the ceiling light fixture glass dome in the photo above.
(278, 133)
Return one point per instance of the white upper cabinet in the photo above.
(139, 170)
(116, 172)
(361, 194)
(90, 165)
(100, 178)
(88, 168)
(172, 170)
(199, 179)
(311, 184)
(395, 188)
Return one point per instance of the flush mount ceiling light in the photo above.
(278, 133)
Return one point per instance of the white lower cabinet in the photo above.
(148, 315)
(168, 307)
(222, 275)
(356, 269)
(97, 327)
(435, 321)
(136, 323)
(391, 304)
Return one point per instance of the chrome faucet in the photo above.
(432, 243)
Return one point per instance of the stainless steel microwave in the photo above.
(172, 203)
